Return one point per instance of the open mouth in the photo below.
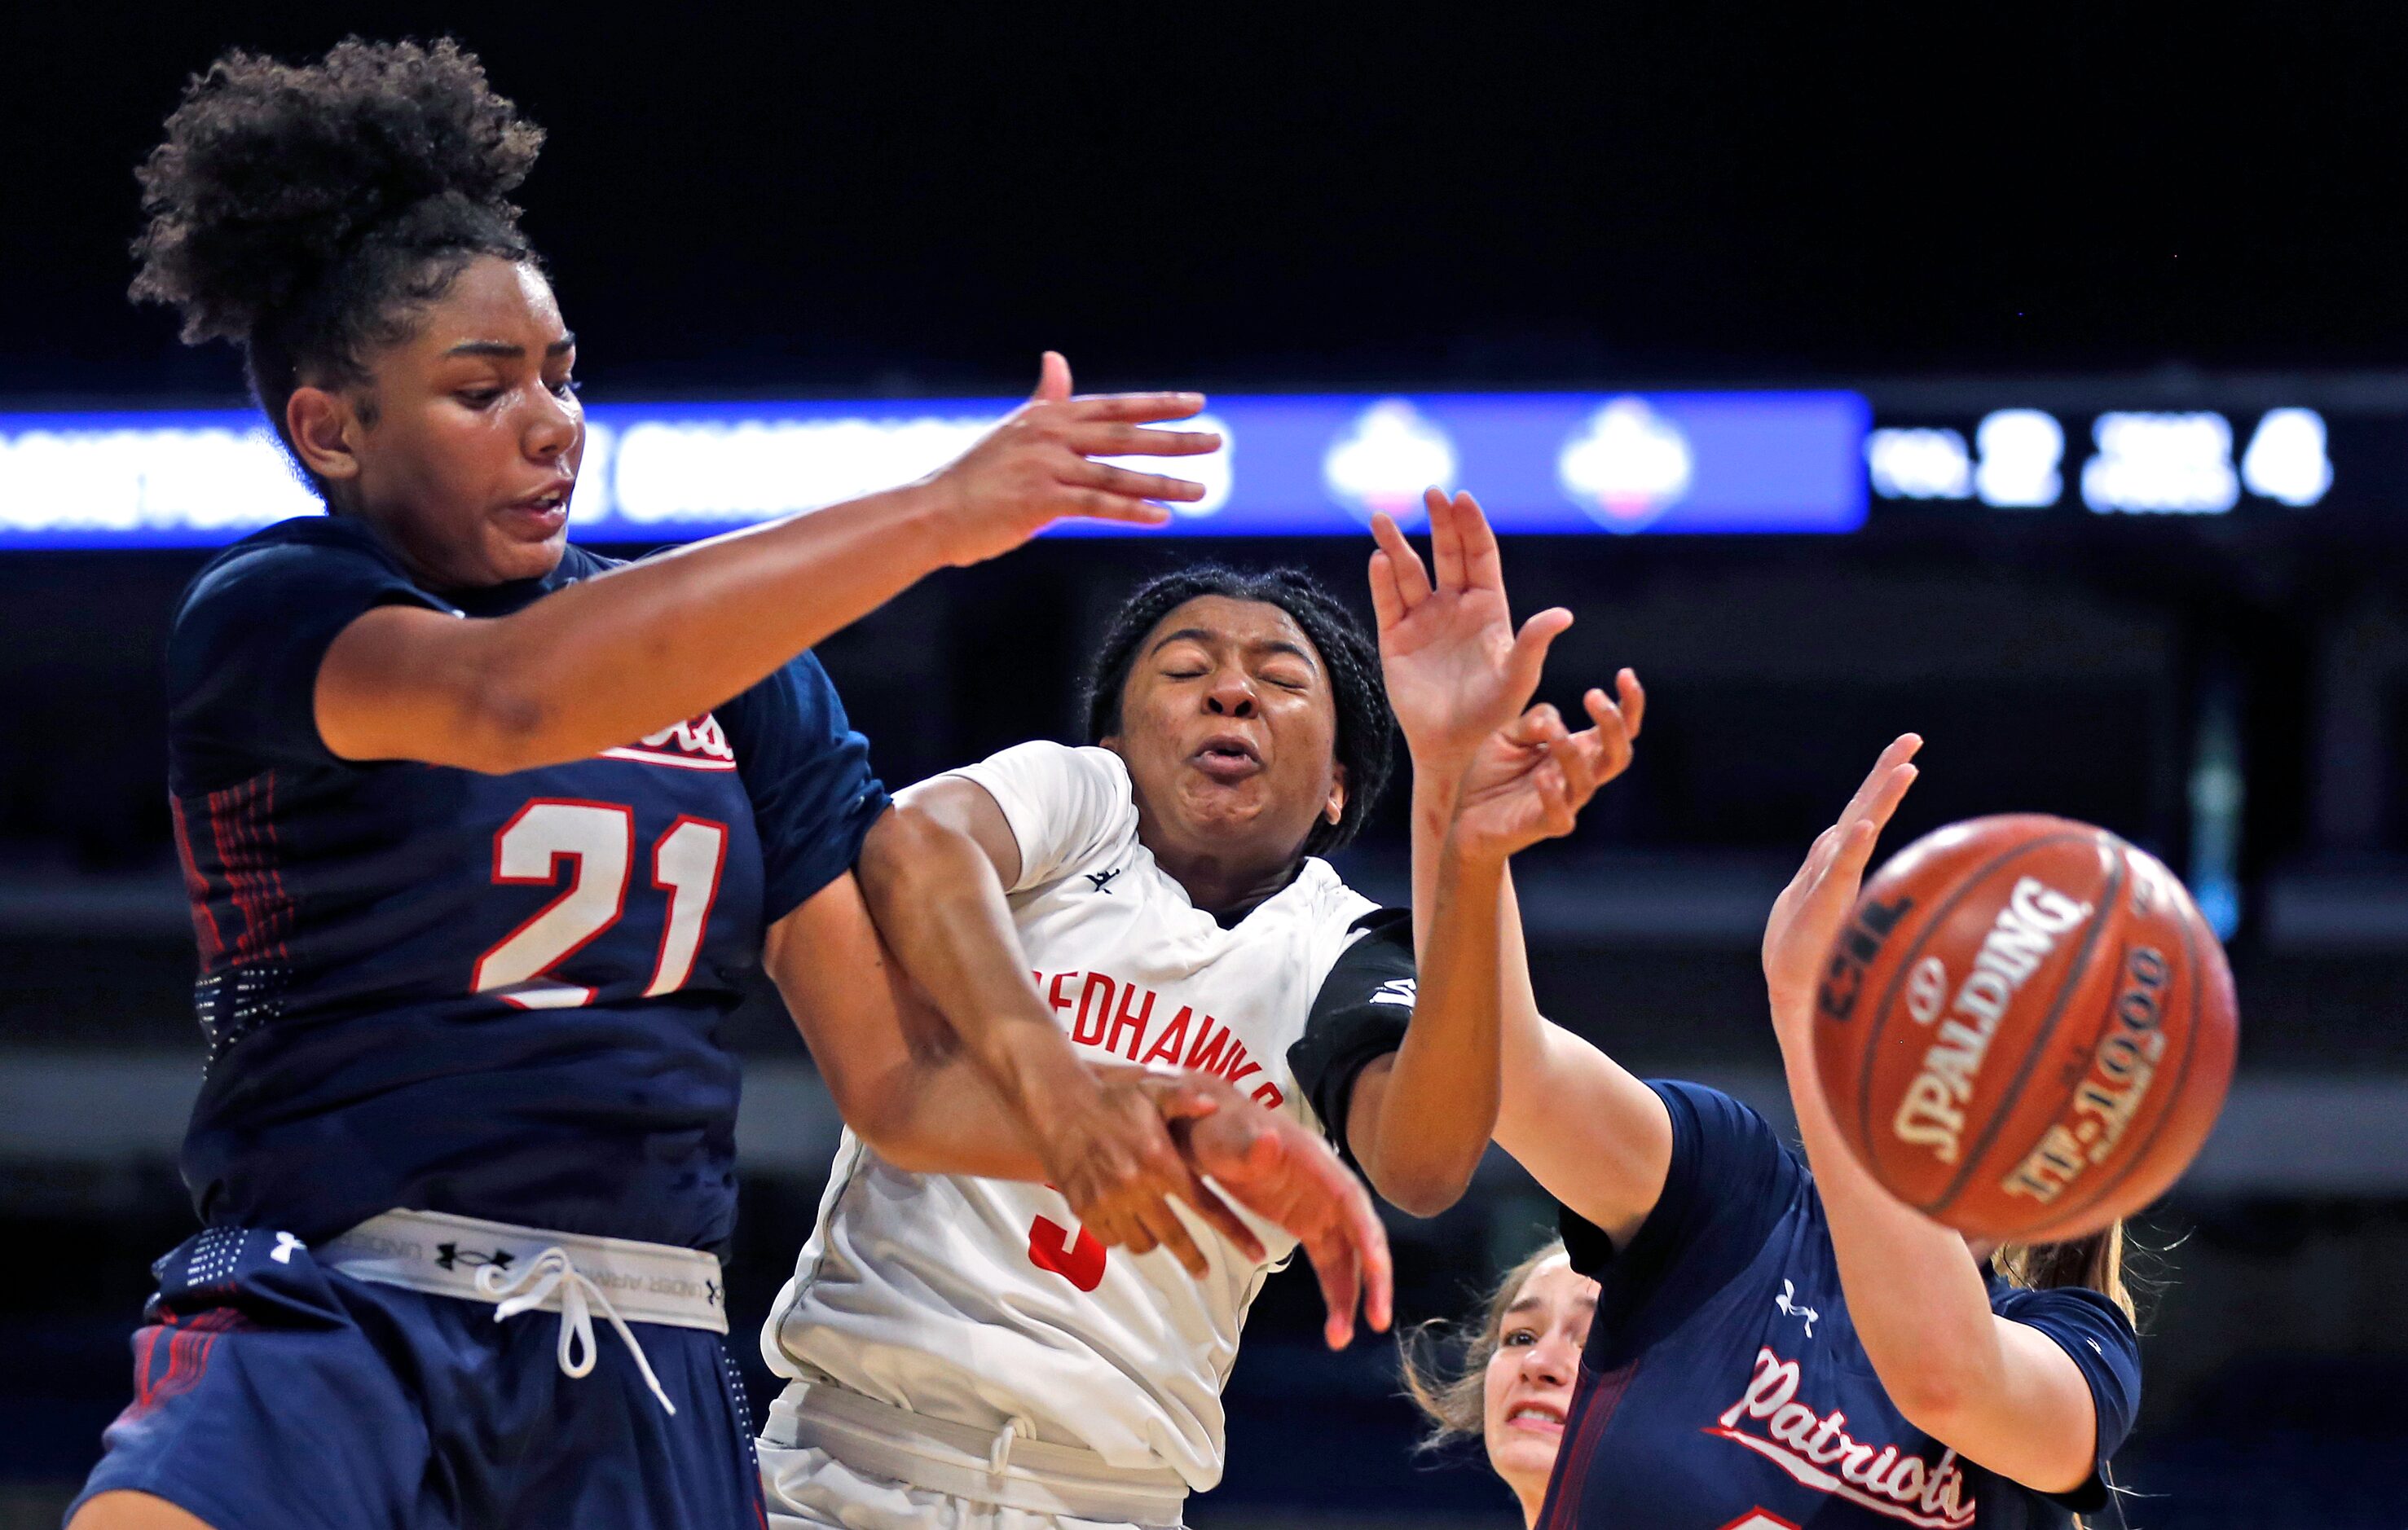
(551, 501)
(1227, 757)
(1542, 1417)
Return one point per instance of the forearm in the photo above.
(634, 651)
(1917, 1298)
(1437, 1103)
(938, 907)
(1521, 1030)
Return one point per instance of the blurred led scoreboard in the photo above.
(1294, 465)
(1316, 464)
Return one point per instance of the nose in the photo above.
(1230, 695)
(552, 426)
(1552, 1362)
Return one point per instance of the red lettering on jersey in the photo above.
(1174, 1036)
(1210, 1045)
(1081, 1263)
(1269, 1098)
(1239, 1064)
(1053, 991)
(1133, 1024)
(1080, 1033)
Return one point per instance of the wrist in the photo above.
(929, 513)
(1468, 858)
(1036, 1066)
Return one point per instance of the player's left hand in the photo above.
(1286, 1174)
(1807, 916)
(1530, 778)
(1455, 669)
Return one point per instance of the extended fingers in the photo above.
(1900, 750)
(1131, 484)
(1446, 541)
(1412, 580)
(1106, 438)
(1528, 659)
(1136, 407)
(1482, 569)
(1634, 701)
(1217, 1213)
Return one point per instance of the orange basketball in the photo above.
(2025, 1029)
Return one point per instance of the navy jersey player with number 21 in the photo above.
(480, 832)
(1777, 1342)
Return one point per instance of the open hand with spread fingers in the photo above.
(1456, 671)
(1288, 1176)
(1807, 916)
(1036, 466)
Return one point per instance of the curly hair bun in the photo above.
(274, 175)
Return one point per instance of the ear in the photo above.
(320, 425)
(1334, 809)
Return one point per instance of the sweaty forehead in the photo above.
(1245, 624)
(495, 300)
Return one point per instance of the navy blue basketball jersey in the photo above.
(1724, 1387)
(490, 994)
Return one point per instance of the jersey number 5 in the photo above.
(600, 837)
(1079, 1261)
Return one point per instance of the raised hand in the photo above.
(1034, 468)
(1807, 916)
(1529, 780)
(1456, 671)
(1288, 1176)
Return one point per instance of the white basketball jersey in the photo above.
(979, 1301)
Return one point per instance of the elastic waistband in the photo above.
(1003, 1468)
(442, 1254)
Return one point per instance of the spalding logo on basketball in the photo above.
(2025, 1029)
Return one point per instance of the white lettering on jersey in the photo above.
(698, 743)
(1401, 991)
(1817, 1450)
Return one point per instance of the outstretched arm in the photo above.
(2000, 1391)
(1596, 1137)
(613, 658)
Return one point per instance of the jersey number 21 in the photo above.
(600, 837)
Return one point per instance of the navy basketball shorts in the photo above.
(274, 1391)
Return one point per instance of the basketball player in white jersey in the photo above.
(961, 1351)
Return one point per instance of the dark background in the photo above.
(2121, 203)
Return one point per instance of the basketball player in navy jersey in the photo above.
(481, 832)
(1777, 1342)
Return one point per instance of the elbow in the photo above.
(876, 1116)
(1421, 1190)
(503, 728)
(1932, 1397)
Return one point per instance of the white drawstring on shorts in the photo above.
(534, 1284)
(998, 1456)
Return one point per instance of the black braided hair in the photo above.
(309, 212)
(1367, 730)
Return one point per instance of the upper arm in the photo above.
(1593, 1135)
(257, 638)
(1357, 1022)
(1059, 805)
(2059, 1394)
(962, 804)
(404, 682)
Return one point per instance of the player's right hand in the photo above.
(1288, 1176)
(1035, 467)
(1110, 1152)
